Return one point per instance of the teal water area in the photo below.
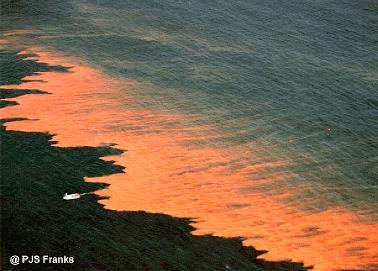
(297, 79)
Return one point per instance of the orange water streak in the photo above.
(212, 185)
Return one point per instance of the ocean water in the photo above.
(256, 118)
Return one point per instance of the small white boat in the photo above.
(71, 196)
